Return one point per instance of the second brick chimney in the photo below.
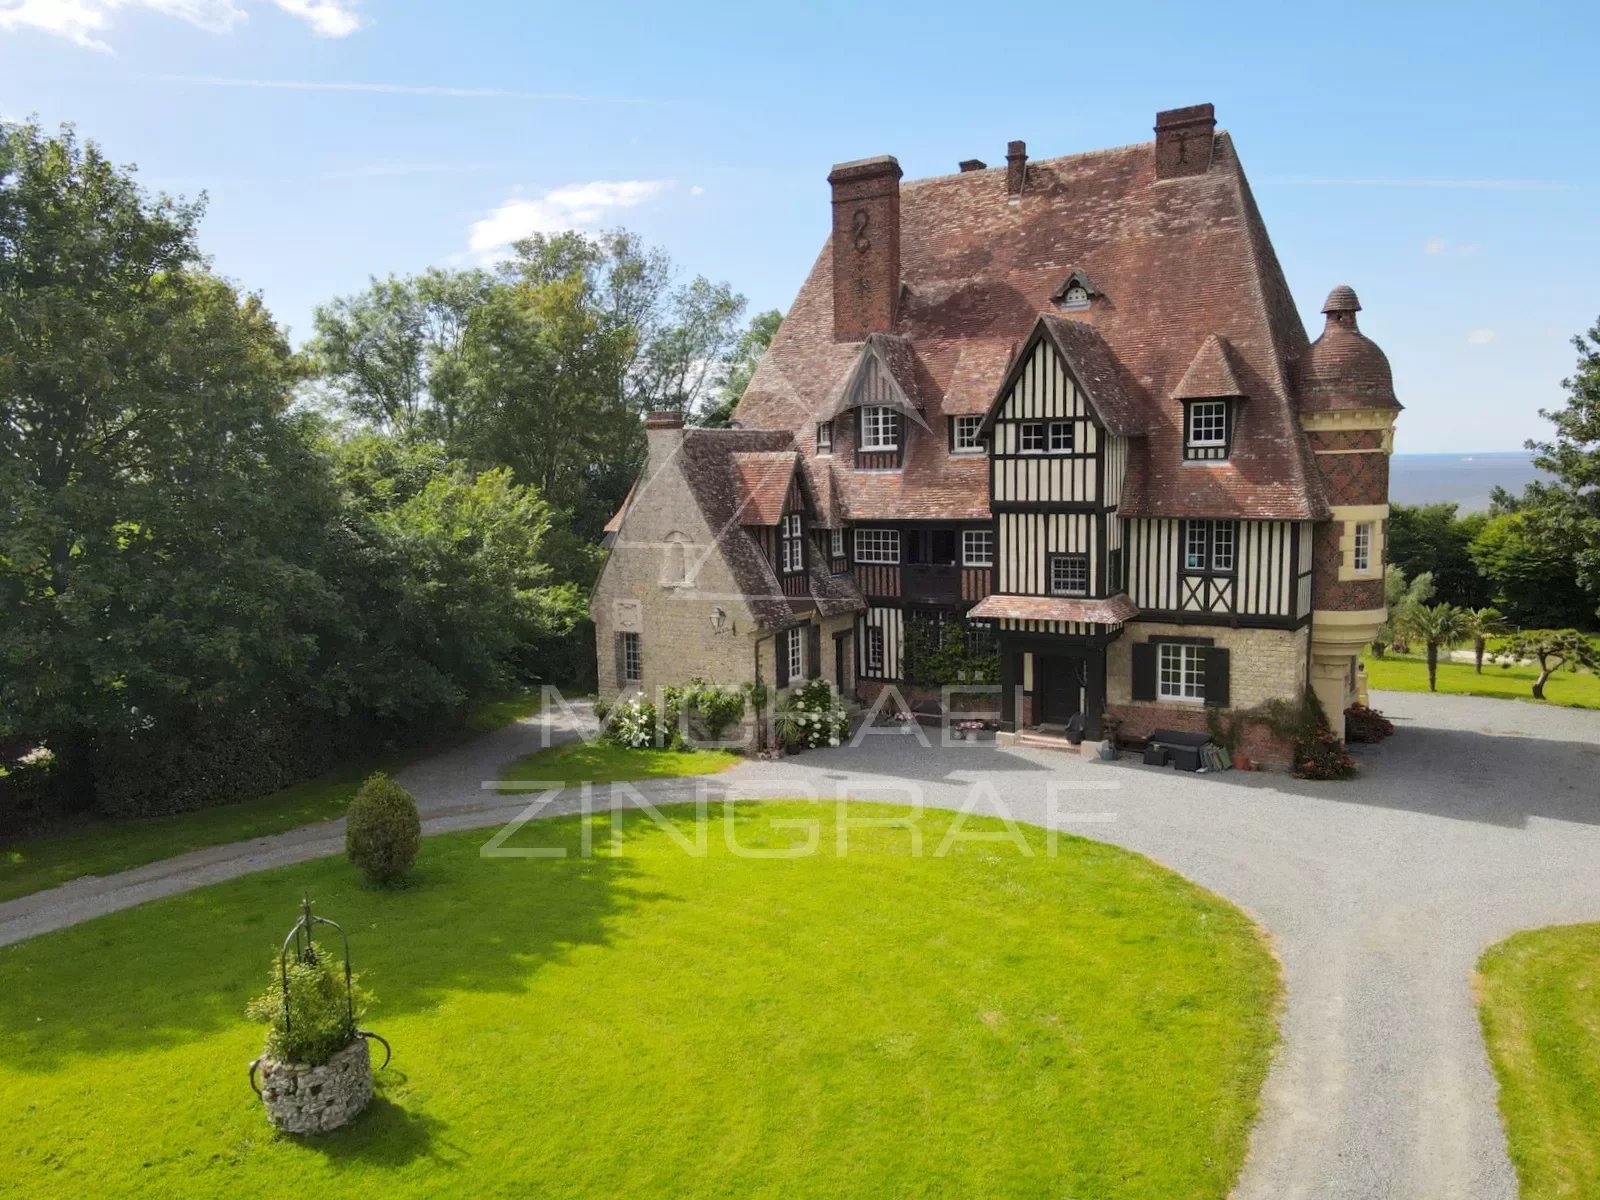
(866, 246)
(1016, 168)
(1184, 137)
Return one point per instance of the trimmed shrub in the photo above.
(382, 830)
(319, 1022)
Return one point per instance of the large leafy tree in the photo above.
(1432, 538)
(156, 490)
(1530, 569)
(740, 365)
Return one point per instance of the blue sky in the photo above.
(1439, 158)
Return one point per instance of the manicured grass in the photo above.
(105, 847)
(1539, 999)
(652, 1021)
(600, 762)
(1407, 673)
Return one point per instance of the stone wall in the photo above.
(304, 1099)
(1264, 664)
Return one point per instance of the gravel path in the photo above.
(1379, 896)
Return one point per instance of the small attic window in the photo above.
(1075, 292)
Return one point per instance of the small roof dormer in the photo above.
(1212, 374)
(1075, 292)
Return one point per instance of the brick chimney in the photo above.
(1016, 168)
(972, 164)
(1184, 138)
(866, 246)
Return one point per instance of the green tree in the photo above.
(1432, 538)
(1401, 595)
(1434, 625)
(158, 497)
(1552, 649)
(1483, 624)
(391, 355)
(740, 365)
(1530, 571)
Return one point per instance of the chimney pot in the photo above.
(1016, 167)
(866, 246)
(664, 418)
(972, 164)
(1184, 140)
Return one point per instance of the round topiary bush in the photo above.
(382, 830)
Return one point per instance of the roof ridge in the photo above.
(1077, 156)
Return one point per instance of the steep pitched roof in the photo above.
(1211, 374)
(1175, 261)
(764, 477)
(1112, 397)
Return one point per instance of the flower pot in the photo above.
(1241, 761)
(306, 1099)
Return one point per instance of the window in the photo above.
(1209, 547)
(1180, 671)
(1208, 423)
(796, 653)
(1076, 296)
(825, 438)
(1060, 437)
(880, 428)
(632, 664)
(877, 545)
(874, 650)
(1069, 574)
(1031, 437)
(1361, 557)
(964, 435)
(792, 547)
(977, 547)
(836, 542)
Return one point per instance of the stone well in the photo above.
(304, 1099)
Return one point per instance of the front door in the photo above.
(1058, 688)
(841, 663)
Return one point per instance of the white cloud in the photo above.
(575, 206)
(327, 18)
(1434, 246)
(1437, 246)
(82, 21)
(697, 190)
(1480, 337)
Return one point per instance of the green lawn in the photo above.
(652, 1022)
(599, 762)
(1407, 673)
(104, 847)
(1539, 999)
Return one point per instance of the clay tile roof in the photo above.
(1342, 299)
(1211, 373)
(1113, 610)
(834, 594)
(1113, 396)
(615, 523)
(763, 477)
(1174, 262)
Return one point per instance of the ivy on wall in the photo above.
(941, 649)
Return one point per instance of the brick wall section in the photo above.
(1329, 593)
(1344, 439)
(1139, 721)
(1356, 478)
(866, 247)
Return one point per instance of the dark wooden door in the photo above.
(842, 662)
(1058, 688)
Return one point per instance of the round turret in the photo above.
(1344, 368)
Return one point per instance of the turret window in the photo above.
(1361, 551)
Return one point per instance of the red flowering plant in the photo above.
(1366, 725)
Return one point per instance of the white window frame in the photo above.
(875, 649)
(796, 652)
(977, 547)
(880, 426)
(1066, 587)
(825, 437)
(964, 435)
(1196, 533)
(836, 542)
(1213, 414)
(632, 658)
(1361, 540)
(1064, 429)
(1023, 431)
(791, 536)
(1224, 558)
(1180, 673)
(878, 546)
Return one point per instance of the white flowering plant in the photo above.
(812, 716)
(631, 724)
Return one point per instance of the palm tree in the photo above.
(1483, 624)
(1435, 625)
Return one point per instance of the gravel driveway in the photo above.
(1481, 817)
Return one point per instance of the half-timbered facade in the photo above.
(1065, 409)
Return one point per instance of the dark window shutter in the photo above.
(781, 647)
(813, 651)
(622, 662)
(1144, 671)
(1217, 676)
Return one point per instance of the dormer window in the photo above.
(880, 428)
(1075, 292)
(1076, 296)
(825, 437)
(1208, 429)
